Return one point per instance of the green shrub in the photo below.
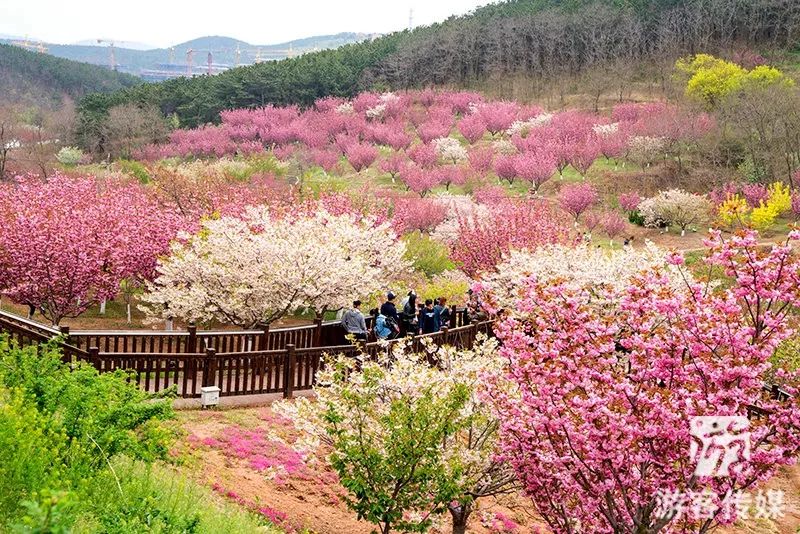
(427, 255)
(634, 217)
(135, 169)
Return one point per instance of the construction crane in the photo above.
(189, 61)
(111, 57)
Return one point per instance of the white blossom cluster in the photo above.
(450, 149)
(644, 150)
(675, 207)
(401, 374)
(578, 267)
(377, 111)
(605, 130)
(257, 268)
(523, 128)
(457, 206)
(345, 108)
(504, 146)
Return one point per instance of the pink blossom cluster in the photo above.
(596, 424)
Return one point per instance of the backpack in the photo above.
(392, 325)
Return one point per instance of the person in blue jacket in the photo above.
(428, 319)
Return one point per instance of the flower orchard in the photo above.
(602, 354)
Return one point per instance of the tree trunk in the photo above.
(103, 307)
(460, 514)
(128, 311)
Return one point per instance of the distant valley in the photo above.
(212, 54)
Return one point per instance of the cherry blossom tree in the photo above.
(423, 214)
(482, 241)
(255, 269)
(577, 198)
(591, 220)
(629, 201)
(392, 165)
(472, 127)
(597, 423)
(677, 207)
(480, 159)
(67, 243)
(535, 168)
(423, 155)
(361, 155)
(613, 225)
(418, 179)
(505, 167)
(450, 150)
(498, 116)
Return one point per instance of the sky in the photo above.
(166, 22)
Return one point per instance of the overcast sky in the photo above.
(166, 22)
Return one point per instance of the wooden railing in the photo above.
(319, 334)
(239, 363)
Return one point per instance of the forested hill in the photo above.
(31, 78)
(541, 38)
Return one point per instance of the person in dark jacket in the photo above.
(443, 312)
(410, 313)
(389, 310)
(428, 319)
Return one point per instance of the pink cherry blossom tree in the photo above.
(535, 168)
(629, 201)
(472, 127)
(509, 224)
(361, 155)
(597, 423)
(613, 225)
(577, 198)
(419, 180)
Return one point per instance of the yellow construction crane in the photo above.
(111, 57)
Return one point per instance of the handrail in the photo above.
(33, 325)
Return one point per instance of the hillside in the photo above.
(224, 50)
(30, 78)
(540, 40)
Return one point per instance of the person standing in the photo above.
(428, 319)
(389, 310)
(409, 315)
(353, 322)
(443, 312)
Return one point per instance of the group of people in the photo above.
(413, 318)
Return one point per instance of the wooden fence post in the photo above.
(453, 316)
(288, 372)
(94, 357)
(265, 336)
(210, 367)
(444, 336)
(191, 344)
(318, 331)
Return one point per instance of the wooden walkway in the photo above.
(251, 362)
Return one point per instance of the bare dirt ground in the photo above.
(241, 454)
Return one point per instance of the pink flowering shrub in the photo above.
(629, 201)
(597, 423)
(482, 242)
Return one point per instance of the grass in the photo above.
(159, 499)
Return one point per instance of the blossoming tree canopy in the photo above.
(256, 269)
(67, 243)
(577, 267)
(597, 423)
